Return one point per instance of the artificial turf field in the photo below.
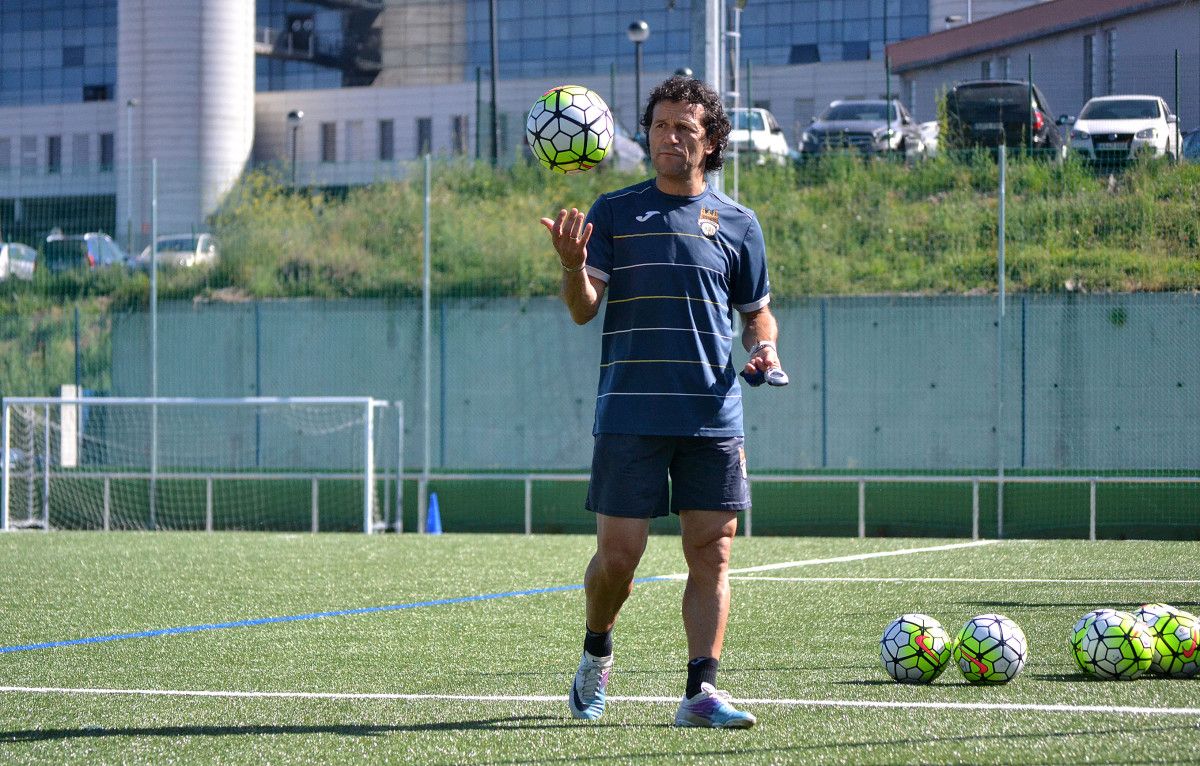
(473, 663)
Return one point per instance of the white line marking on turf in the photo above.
(852, 557)
(560, 698)
(1077, 581)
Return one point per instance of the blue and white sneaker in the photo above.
(711, 709)
(588, 690)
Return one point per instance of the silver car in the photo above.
(181, 250)
(17, 261)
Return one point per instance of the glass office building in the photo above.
(57, 51)
(559, 37)
(65, 51)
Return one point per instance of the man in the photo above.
(677, 259)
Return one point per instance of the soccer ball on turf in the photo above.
(990, 649)
(1082, 658)
(570, 129)
(1176, 637)
(915, 649)
(1148, 613)
(1113, 644)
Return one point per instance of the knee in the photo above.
(619, 560)
(709, 555)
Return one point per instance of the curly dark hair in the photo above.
(692, 91)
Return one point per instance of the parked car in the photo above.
(1118, 128)
(181, 250)
(1191, 146)
(628, 153)
(17, 261)
(93, 250)
(869, 125)
(756, 131)
(991, 113)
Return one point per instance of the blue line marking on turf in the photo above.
(301, 617)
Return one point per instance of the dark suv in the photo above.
(82, 251)
(991, 113)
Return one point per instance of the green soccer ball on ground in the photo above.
(1112, 644)
(1176, 636)
(569, 129)
(991, 649)
(914, 649)
(1081, 657)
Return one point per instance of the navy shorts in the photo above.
(629, 475)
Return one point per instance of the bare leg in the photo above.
(608, 580)
(707, 540)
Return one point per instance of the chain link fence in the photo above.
(919, 403)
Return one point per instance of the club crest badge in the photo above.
(708, 222)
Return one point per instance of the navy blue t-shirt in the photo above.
(677, 268)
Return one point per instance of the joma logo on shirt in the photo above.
(708, 222)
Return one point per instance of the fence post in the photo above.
(1000, 275)
(862, 507)
(528, 505)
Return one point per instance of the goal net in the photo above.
(199, 464)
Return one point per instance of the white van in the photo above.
(756, 131)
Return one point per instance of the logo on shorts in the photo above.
(708, 222)
(742, 461)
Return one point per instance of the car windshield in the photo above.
(177, 244)
(66, 253)
(743, 120)
(1124, 109)
(856, 112)
(992, 102)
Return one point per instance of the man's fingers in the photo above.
(549, 224)
(587, 234)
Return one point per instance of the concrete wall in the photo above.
(1089, 382)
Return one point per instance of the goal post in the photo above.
(279, 463)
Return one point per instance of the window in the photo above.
(95, 93)
(460, 124)
(985, 69)
(424, 135)
(72, 55)
(354, 141)
(387, 140)
(81, 152)
(328, 142)
(29, 157)
(1005, 67)
(53, 154)
(107, 153)
(5, 156)
(1110, 69)
(856, 50)
(1089, 67)
(804, 54)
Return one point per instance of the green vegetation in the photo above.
(807, 632)
(838, 226)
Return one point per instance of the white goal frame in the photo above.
(369, 406)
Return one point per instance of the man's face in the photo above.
(678, 145)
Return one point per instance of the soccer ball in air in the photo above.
(990, 649)
(915, 649)
(1112, 644)
(570, 129)
(1176, 635)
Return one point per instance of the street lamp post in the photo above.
(129, 106)
(294, 118)
(638, 32)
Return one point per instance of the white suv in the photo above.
(756, 131)
(1115, 128)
